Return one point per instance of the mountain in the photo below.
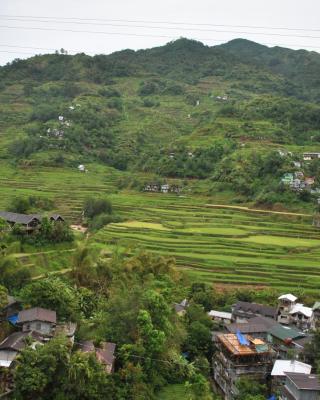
(182, 110)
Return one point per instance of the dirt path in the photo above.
(60, 272)
(241, 208)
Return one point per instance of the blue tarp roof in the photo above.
(273, 397)
(13, 319)
(242, 339)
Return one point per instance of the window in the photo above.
(38, 326)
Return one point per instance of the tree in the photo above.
(82, 268)
(93, 207)
(51, 372)
(52, 293)
(249, 389)
(20, 205)
(3, 297)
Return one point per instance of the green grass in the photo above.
(173, 392)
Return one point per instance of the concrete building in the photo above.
(240, 356)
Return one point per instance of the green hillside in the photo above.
(223, 124)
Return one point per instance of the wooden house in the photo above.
(29, 222)
(104, 354)
(39, 320)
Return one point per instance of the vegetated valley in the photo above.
(182, 171)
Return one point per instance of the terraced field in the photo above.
(213, 244)
(221, 245)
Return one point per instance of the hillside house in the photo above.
(300, 387)
(242, 311)
(285, 305)
(67, 329)
(181, 308)
(165, 188)
(14, 344)
(152, 187)
(39, 320)
(104, 354)
(309, 181)
(297, 164)
(316, 315)
(257, 327)
(281, 367)
(311, 156)
(29, 222)
(12, 307)
(301, 316)
(220, 316)
(284, 339)
(82, 168)
(240, 356)
(287, 179)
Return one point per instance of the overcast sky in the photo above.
(140, 24)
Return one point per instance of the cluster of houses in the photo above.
(266, 344)
(158, 188)
(297, 181)
(29, 222)
(35, 327)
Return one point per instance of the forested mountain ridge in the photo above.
(183, 110)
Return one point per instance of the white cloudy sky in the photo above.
(38, 26)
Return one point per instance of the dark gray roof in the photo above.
(16, 341)
(304, 381)
(23, 219)
(37, 314)
(254, 325)
(56, 217)
(87, 346)
(253, 309)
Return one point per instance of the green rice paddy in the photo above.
(217, 245)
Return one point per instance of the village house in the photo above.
(37, 319)
(240, 356)
(12, 307)
(29, 222)
(181, 308)
(220, 316)
(301, 316)
(281, 367)
(291, 312)
(14, 344)
(300, 387)
(242, 311)
(257, 327)
(316, 315)
(285, 339)
(67, 329)
(285, 305)
(311, 156)
(104, 354)
(287, 179)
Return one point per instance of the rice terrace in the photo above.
(223, 245)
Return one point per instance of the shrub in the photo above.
(94, 207)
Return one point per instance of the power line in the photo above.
(143, 35)
(161, 27)
(163, 22)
